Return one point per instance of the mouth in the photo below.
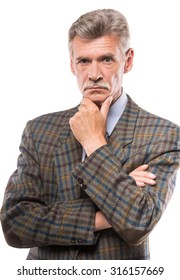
(96, 88)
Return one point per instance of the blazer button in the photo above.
(84, 187)
(80, 181)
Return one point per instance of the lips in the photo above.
(95, 88)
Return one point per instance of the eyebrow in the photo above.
(79, 58)
(106, 55)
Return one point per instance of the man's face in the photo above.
(99, 65)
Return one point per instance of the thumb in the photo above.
(105, 106)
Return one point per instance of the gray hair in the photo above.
(99, 23)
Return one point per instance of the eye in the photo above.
(83, 61)
(107, 59)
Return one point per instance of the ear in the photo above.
(72, 66)
(128, 60)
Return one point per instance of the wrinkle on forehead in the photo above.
(98, 47)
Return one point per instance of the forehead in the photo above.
(98, 46)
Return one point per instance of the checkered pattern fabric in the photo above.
(43, 208)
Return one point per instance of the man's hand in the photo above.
(143, 177)
(89, 124)
(101, 222)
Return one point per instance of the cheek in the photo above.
(116, 81)
(81, 79)
(114, 74)
(113, 77)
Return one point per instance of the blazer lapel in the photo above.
(123, 132)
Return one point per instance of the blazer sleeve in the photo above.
(28, 220)
(132, 211)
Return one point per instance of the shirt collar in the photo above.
(115, 112)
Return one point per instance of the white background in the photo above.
(35, 79)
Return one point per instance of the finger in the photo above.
(81, 107)
(87, 102)
(140, 184)
(142, 167)
(144, 180)
(105, 106)
(143, 174)
(147, 181)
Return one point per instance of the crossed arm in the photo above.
(142, 177)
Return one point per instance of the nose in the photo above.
(94, 73)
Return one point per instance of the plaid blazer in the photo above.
(43, 208)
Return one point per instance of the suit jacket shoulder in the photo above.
(51, 122)
(145, 115)
(149, 125)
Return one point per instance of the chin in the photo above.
(97, 98)
(97, 95)
(98, 102)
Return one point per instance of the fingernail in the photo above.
(110, 99)
(152, 176)
(152, 182)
